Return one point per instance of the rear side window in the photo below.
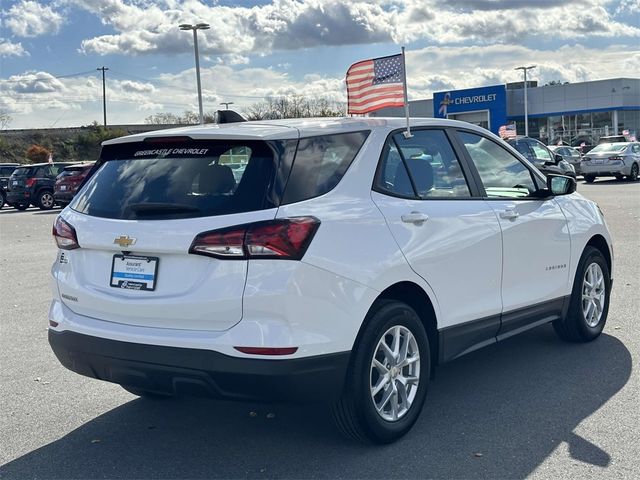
(23, 171)
(195, 179)
(320, 163)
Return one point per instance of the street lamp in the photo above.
(195, 28)
(226, 104)
(526, 105)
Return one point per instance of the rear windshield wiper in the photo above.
(162, 208)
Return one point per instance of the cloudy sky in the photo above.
(49, 50)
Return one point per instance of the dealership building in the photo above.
(573, 113)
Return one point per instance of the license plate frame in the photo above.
(598, 161)
(134, 272)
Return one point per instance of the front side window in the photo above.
(423, 166)
(540, 152)
(502, 174)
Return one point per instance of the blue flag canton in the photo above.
(388, 70)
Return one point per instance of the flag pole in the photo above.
(407, 134)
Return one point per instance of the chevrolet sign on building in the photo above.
(486, 106)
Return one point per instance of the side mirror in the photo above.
(558, 158)
(560, 185)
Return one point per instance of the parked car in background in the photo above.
(68, 181)
(343, 264)
(612, 139)
(33, 185)
(612, 160)
(6, 169)
(569, 154)
(540, 155)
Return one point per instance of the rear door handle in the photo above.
(416, 218)
(509, 214)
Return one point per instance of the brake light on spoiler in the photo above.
(285, 238)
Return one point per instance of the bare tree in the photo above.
(5, 119)
(294, 106)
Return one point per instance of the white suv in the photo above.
(338, 260)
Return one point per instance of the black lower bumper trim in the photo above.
(188, 371)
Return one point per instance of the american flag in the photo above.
(375, 84)
(507, 131)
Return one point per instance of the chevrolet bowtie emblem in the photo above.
(124, 241)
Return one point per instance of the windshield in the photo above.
(192, 179)
(610, 147)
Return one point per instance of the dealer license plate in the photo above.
(63, 188)
(598, 161)
(133, 272)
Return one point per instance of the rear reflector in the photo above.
(267, 350)
(65, 235)
(286, 238)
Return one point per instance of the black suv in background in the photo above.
(6, 169)
(539, 154)
(33, 184)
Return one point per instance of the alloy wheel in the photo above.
(395, 373)
(593, 294)
(46, 200)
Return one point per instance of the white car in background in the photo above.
(343, 265)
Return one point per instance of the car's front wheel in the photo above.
(388, 374)
(589, 303)
(2, 200)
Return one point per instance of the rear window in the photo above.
(22, 171)
(194, 179)
(609, 147)
(320, 163)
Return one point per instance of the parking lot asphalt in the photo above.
(530, 406)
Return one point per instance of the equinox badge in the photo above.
(124, 241)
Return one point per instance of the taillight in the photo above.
(616, 157)
(29, 182)
(65, 235)
(286, 238)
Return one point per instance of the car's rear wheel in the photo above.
(45, 200)
(140, 392)
(589, 304)
(633, 176)
(2, 199)
(388, 374)
(589, 178)
(21, 206)
(619, 178)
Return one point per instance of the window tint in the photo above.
(320, 163)
(195, 179)
(432, 163)
(502, 174)
(522, 147)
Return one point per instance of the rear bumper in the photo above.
(187, 371)
(605, 170)
(14, 197)
(63, 196)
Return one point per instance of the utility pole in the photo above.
(226, 104)
(104, 95)
(526, 103)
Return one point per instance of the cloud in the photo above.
(32, 19)
(143, 27)
(9, 49)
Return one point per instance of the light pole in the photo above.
(195, 28)
(104, 95)
(226, 104)
(526, 105)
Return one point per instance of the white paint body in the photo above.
(468, 260)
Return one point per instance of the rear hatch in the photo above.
(19, 177)
(71, 178)
(135, 221)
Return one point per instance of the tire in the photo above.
(619, 178)
(45, 200)
(589, 178)
(633, 176)
(21, 206)
(3, 199)
(140, 392)
(582, 326)
(355, 413)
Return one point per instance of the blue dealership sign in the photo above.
(492, 100)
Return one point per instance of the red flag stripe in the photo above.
(385, 96)
(375, 107)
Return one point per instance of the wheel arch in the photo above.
(599, 242)
(413, 295)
